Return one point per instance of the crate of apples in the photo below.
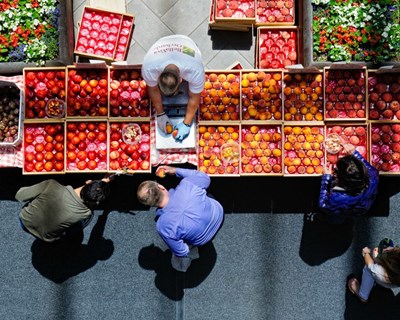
(104, 34)
(127, 153)
(345, 94)
(303, 97)
(303, 150)
(43, 148)
(220, 99)
(276, 48)
(261, 95)
(385, 147)
(279, 12)
(210, 155)
(86, 146)
(261, 149)
(87, 93)
(128, 94)
(384, 96)
(357, 135)
(40, 86)
(234, 10)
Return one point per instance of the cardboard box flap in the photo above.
(347, 65)
(115, 5)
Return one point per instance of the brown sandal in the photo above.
(354, 286)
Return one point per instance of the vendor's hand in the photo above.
(365, 251)
(163, 170)
(183, 131)
(328, 169)
(162, 121)
(348, 148)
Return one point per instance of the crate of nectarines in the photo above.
(261, 94)
(279, 12)
(43, 148)
(218, 151)
(261, 152)
(276, 47)
(241, 12)
(128, 93)
(87, 91)
(384, 94)
(385, 147)
(220, 99)
(303, 96)
(345, 93)
(303, 149)
(129, 145)
(86, 143)
(338, 133)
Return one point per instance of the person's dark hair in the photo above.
(168, 82)
(352, 175)
(390, 261)
(95, 193)
(149, 193)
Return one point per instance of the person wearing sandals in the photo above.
(382, 268)
(351, 189)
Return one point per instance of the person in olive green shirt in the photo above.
(53, 209)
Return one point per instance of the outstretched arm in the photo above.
(28, 193)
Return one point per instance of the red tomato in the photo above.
(115, 136)
(91, 136)
(82, 126)
(59, 166)
(39, 156)
(71, 146)
(102, 136)
(91, 155)
(82, 146)
(114, 165)
(81, 165)
(48, 146)
(102, 154)
(91, 126)
(82, 136)
(82, 155)
(39, 166)
(59, 156)
(59, 146)
(102, 126)
(39, 147)
(75, 140)
(48, 138)
(92, 164)
(59, 137)
(71, 155)
(29, 138)
(49, 156)
(71, 127)
(29, 157)
(48, 166)
(29, 166)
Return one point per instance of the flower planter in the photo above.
(357, 37)
(66, 43)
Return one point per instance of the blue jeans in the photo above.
(367, 283)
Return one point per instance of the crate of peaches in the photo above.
(43, 148)
(261, 95)
(279, 12)
(104, 34)
(277, 47)
(220, 99)
(345, 94)
(218, 151)
(303, 150)
(261, 151)
(45, 93)
(240, 12)
(385, 147)
(128, 93)
(338, 134)
(384, 95)
(86, 146)
(303, 96)
(87, 92)
(130, 146)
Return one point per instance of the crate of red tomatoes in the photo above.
(277, 47)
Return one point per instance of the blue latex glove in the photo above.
(162, 121)
(183, 131)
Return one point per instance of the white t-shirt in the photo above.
(378, 273)
(180, 51)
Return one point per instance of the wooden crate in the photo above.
(282, 14)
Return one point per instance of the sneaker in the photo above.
(354, 286)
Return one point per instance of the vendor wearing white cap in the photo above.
(169, 61)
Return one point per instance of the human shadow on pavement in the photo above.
(170, 282)
(321, 241)
(382, 304)
(68, 257)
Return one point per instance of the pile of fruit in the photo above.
(280, 12)
(9, 114)
(235, 9)
(385, 146)
(261, 95)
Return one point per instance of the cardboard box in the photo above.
(11, 91)
(220, 99)
(345, 92)
(303, 95)
(167, 143)
(40, 86)
(274, 16)
(384, 151)
(44, 148)
(126, 82)
(277, 47)
(261, 95)
(383, 102)
(127, 154)
(104, 34)
(261, 149)
(303, 153)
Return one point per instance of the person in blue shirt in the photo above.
(186, 216)
(351, 189)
